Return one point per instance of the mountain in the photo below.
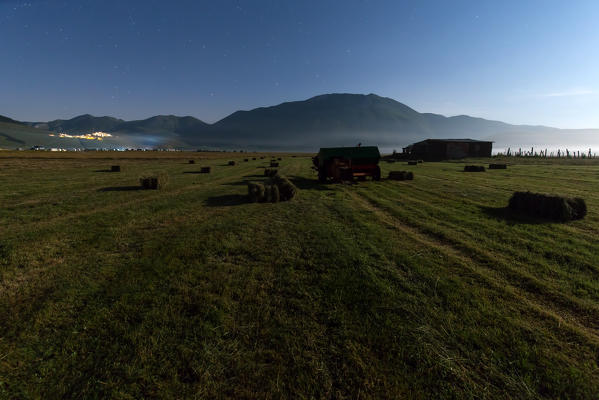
(161, 130)
(80, 125)
(163, 124)
(331, 119)
(9, 120)
(348, 119)
(327, 120)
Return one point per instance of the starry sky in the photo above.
(533, 61)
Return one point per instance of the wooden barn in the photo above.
(444, 149)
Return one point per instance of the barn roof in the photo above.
(453, 141)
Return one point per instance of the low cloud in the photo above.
(574, 92)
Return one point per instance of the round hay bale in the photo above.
(275, 196)
(256, 192)
(270, 172)
(115, 168)
(397, 175)
(474, 168)
(246, 160)
(231, 162)
(271, 194)
(205, 170)
(553, 207)
(287, 189)
(192, 161)
(579, 207)
(497, 166)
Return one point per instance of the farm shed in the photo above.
(443, 149)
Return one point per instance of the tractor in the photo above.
(346, 163)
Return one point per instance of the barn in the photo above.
(443, 149)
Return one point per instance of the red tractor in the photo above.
(345, 163)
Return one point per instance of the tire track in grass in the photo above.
(557, 312)
(555, 235)
(587, 230)
(516, 274)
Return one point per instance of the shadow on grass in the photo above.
(513, 217)
(120, 188)
(305, 183)
(226, 200)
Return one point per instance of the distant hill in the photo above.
(325, 120)
(9, 120)
(15, 134)
(163, 124)
(348, 119)
(341, 119)
(80, 125)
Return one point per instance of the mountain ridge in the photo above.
(334, 119)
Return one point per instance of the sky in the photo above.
(525, 61)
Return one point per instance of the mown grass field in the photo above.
(415, 289)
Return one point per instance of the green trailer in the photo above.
(347, 163)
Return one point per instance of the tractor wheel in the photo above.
(377, 174)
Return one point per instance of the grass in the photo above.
(421, 289)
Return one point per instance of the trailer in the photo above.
(346, 163)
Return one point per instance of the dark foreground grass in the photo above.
(420, 289)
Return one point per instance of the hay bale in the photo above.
(231, 162)
(553, 207)
(254, 158)
(262, 158)
(271, 194)
(401, 175)
(474, 168)
(115, 168)
(287, 189)
(497, 166)
(246, 160)
(205, 170)
(153, 182)
(274, 164)
(256, 192)
(397, 175)
(412, 162)
(270, 172)
(192, 161)
(279, 158)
